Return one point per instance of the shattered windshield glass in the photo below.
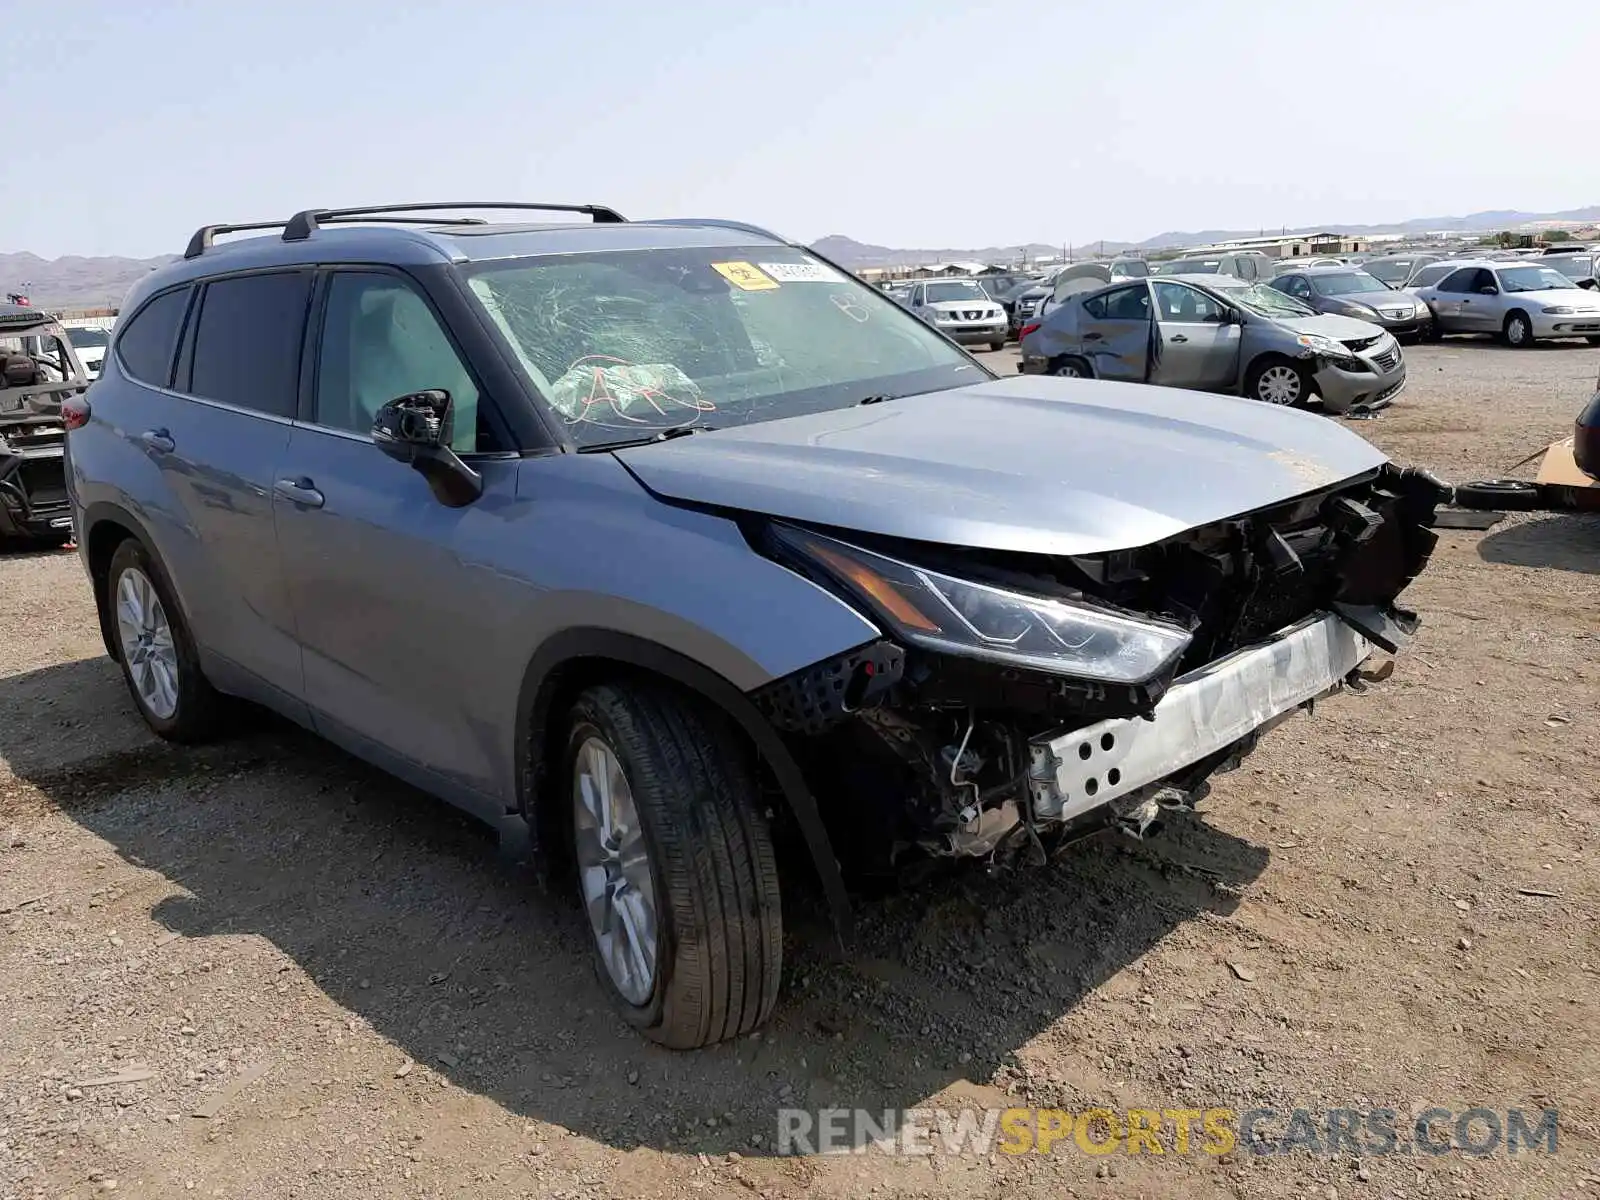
(1268, 302)
(627, 344)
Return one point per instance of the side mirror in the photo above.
(1488, 291)
(415, 429)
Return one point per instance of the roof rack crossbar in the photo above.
(303, 224)
(203, 237)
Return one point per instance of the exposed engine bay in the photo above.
(1021, 702)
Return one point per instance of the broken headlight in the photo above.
(977, 620)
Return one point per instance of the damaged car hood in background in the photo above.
(1032, 465)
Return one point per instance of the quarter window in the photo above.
(380, 340)
(247, 342)
(145, 344)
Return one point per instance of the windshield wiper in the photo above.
(660, 435)
(879, 399)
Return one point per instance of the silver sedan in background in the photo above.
(1219, 334)
(1351, 292)
(1522, 301)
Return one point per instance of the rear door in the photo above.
(1449, 300)
(1115, 332)
(1196, 345)
(217, 439)
(386, 603)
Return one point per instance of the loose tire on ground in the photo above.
(1505, 495)
(141, 606)
(718, 946)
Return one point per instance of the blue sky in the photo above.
(933, 123)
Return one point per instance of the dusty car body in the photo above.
(1217, 333)
(689, 555)
(38, 369)
(1351, 292)
(1393, 270)
(1523, 301)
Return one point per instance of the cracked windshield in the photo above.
(628, 345)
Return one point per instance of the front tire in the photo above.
(1278, 381)
(1000, 345)
(1519, 331)
(159, 659)
(1593, 341)
(675, 864)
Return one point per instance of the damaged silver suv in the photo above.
(681, 548)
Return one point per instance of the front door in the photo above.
(1197, 345)
(383, 605)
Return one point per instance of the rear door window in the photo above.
(146, 343)
(247, 341)
(1124, 304)
(1459, 280)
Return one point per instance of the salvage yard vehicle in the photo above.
(961, 310)
(1393, 270)
(38, 369)
(1522, 301)
(678, 547)
(1218, 334)
(1241, 264)
(1351, 292)
(90, 342)
(1586, 436)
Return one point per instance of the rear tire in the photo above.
(1277, 381)
(1069, 367)
(159, 660)
(1518, 331)
(707, 891)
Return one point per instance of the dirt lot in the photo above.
(1391, 905)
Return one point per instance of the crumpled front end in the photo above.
(1018, 702)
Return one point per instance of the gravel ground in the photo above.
(261, 969)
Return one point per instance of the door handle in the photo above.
(1091, 337)
(1179, 337)
(158, 440)
(299, 491)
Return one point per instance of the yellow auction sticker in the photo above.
(745, 275)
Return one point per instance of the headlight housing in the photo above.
(1363, 312)
(1323, 344)
(977, 620)
(1558, 310)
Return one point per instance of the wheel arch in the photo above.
(1266, 358)
(105, 527)
(574, 659)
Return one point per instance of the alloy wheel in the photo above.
(145, 636)
(614, 871)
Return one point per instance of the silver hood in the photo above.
(1332, 325)
(1031, 464)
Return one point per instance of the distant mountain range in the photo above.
(851, 253)
(76, 282)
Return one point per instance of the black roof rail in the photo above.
(741, 226)
(303, 224)
(201, 242)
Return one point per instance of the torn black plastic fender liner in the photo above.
(1386, 542)
(816, 698)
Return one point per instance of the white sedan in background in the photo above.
(1524, 302)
